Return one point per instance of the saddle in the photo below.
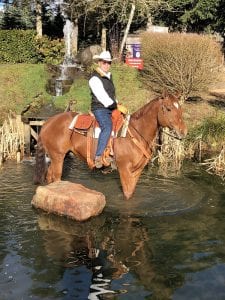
(83, 122)
(87, 125)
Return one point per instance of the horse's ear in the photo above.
(177, 94)
(165, 93)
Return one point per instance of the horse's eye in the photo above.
(168, 108)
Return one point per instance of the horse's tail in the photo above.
(40, 164)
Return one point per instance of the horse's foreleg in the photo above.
(49, 176)
(55, 169)
(128, 181)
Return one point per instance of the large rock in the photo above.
(69, 199)
(85, 57)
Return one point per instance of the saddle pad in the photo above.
(82, 122)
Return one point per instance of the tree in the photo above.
(113, 15)
(189, 15)
(16, 15)
(38, 19)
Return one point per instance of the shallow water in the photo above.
(168, 242)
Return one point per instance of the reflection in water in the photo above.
(165, 243)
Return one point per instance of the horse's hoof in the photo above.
(128, 196)
(107, 171)
(113, 165)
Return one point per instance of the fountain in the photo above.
(68, 32)
(64, 74)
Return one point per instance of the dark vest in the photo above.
(109, 88)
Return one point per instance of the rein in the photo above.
(171, 135)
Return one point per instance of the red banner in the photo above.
(135, 62)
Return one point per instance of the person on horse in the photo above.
(103, 102)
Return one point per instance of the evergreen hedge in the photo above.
(18, 46)
(22, 46)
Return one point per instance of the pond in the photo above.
(167, 242)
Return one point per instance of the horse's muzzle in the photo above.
(181, 132)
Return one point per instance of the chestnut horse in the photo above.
(131, 153)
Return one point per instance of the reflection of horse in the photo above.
(132, 152)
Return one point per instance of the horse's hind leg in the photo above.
(55, 168)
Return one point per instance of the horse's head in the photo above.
(170, 115)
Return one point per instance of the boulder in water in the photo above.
(69, 199)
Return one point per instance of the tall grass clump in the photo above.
(187, 63)
(206, 138)
(211, 130)
(11, 138)
(170, 154)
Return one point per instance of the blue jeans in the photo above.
(103, 116)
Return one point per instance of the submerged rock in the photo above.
(69, 199)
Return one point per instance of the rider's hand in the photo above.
(122, 109)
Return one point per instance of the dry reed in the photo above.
(216, 165)
(11, 138)
(170, 154)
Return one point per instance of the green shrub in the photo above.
(22, 46)
(18, 46)
(187, 63)
(50, 51)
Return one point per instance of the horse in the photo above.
(131, 153)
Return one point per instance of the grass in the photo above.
(21, 84)
(211, 130)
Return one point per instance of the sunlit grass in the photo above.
(22, 84)
(211, 130)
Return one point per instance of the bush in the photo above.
(22, 46)
(187, 63)
(18, 46)
(50, 51)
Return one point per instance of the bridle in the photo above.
(164, 109)
(171, 135)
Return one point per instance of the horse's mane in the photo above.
(144, 109)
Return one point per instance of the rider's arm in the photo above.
(98, 90)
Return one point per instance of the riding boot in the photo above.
(98, 162)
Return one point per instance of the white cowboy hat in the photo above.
(104, 55)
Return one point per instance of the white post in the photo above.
(127, 29)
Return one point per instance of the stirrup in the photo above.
(107, 161)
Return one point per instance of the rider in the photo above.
(103, 101)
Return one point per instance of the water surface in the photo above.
(167, 242)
